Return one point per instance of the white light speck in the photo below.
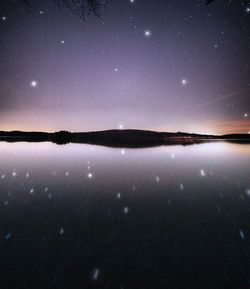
(147, 33)
(121, 126)
(116, 69)
(33, 83)
(90, 176)
(95, 274)
(132, 1)
(157, 179)
(126, 210)
(242, 235)
(246, 115)
(248, 192)
(4, 18)
(123, 152)
(118, 196)
(2, 177)
(202, 173)
(172, 156)
(181, 187)
(184, 82)
(31, 191)
(61, 231)
(66, 174)
(62, 41)
(14, 174)
(27, 175)
(41, 12)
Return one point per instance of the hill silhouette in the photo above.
(130, 138)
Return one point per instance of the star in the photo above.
(33, 83)
(116, 69)
(62, 41)
(184, 82)
(147, 33)
(248, 10)
(4, 18)
(246, 115)
(132, 1)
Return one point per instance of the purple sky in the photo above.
(162, 65)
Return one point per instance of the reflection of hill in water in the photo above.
(121, 138)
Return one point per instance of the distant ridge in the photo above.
(120, 138)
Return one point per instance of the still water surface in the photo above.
(82, 216)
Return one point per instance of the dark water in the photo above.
(79, 216)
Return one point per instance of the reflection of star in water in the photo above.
(96, 274)
(61, 232)
(202, 173)
(126, 210)
(242, 235)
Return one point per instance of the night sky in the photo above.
(167, 65)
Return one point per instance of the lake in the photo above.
(82, 216)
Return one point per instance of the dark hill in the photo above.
(120, 138)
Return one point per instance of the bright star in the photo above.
(62, 41)
(4, 18)
(184, 82)
(33, 83)
(147, 33)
